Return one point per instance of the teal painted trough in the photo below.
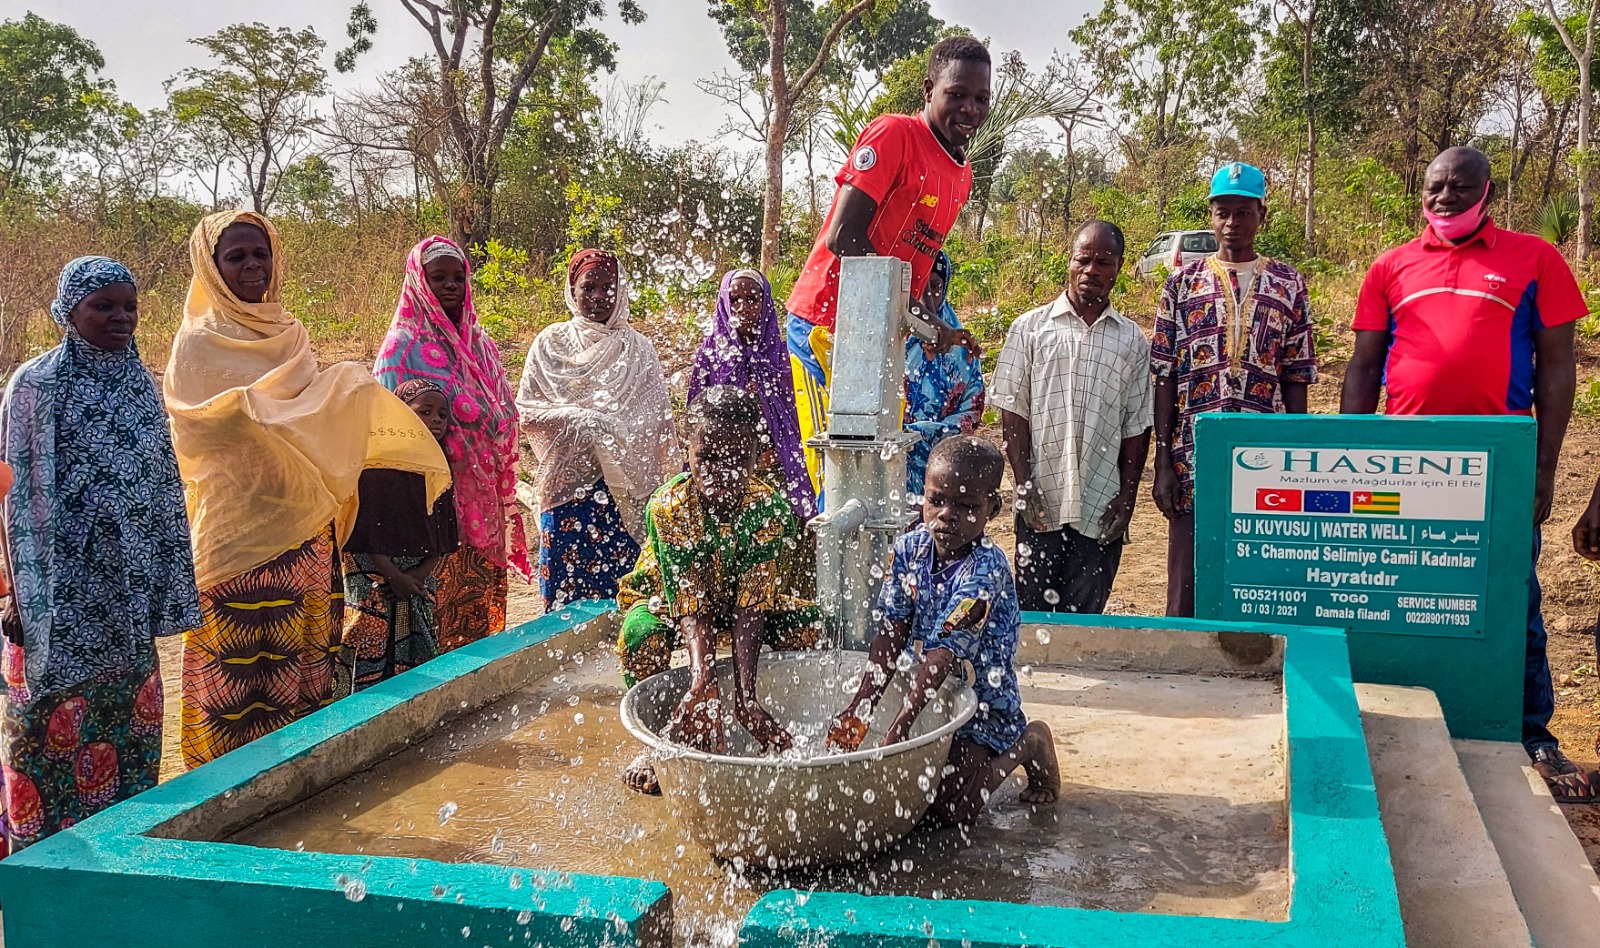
(140, 874)
(143, 873)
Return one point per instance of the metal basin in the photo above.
(798, 809)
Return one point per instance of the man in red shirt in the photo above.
(1469, 319)
(900, 192)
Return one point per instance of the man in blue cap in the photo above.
(1232, 333)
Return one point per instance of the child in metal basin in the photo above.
(709, 568)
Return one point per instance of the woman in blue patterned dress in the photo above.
(944, 393)
(96, 540)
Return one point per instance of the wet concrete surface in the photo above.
(1173, 801)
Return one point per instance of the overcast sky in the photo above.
(143, 41)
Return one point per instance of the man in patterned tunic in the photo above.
(1232, 334)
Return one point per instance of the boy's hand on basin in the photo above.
(846, 732)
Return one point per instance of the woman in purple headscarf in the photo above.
(746, 349)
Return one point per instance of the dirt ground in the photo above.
(1571, 599)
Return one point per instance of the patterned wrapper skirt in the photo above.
(382, 637)
(471, 598)
(265, 656)
(69, 754)
(584, 550)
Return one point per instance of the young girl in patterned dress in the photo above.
(392, 561)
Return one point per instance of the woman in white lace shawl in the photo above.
(594, 410)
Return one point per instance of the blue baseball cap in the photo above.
(1238, 179)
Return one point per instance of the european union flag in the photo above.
(1327, 501)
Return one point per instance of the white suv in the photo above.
(1173, 249)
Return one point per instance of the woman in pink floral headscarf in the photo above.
(435, 336)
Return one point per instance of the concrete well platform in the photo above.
(1197, 825)
(1206, 804)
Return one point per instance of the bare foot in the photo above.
(761, 725)
(1037, 751)
(640, 776)
(698, 721)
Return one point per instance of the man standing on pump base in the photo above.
(900, 192)
(1469, 319)
(1232, 334)
(1073, 386)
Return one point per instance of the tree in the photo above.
(398, 131)
(310, 189)
(1172, 66)
(1313, 77)
(799, 43)
(1431, 70)
(257, 104)
(1583, 54)
(484, 55)
(49, 85)
(131, 155)
(1554, 75)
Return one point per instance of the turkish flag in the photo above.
(1277, 500)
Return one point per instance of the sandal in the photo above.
(1568, 782)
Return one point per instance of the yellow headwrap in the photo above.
(271, 448)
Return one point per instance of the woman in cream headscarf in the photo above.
(271, 449)
(594, 408)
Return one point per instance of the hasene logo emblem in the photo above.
(866, 156)
(1495, 280)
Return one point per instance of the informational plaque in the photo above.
(1359, 537)
(1414, 535)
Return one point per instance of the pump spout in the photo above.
(850, 517)
(839, 579)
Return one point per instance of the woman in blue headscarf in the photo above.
(96, 543)
(944, 393)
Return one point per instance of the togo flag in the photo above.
(1372, 502)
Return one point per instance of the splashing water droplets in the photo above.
(1052, 597)
(354, 889)
(1043, 635)
(447, 811)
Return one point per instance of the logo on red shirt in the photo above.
(1495, 280)
(1277, 499)
(866, 157)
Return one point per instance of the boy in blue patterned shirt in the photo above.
(950, 591)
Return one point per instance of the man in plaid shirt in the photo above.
(1073, 388)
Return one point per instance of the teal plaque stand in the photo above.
(1412, 534)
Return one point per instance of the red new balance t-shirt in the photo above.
(1462, 319)
(920, 191)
